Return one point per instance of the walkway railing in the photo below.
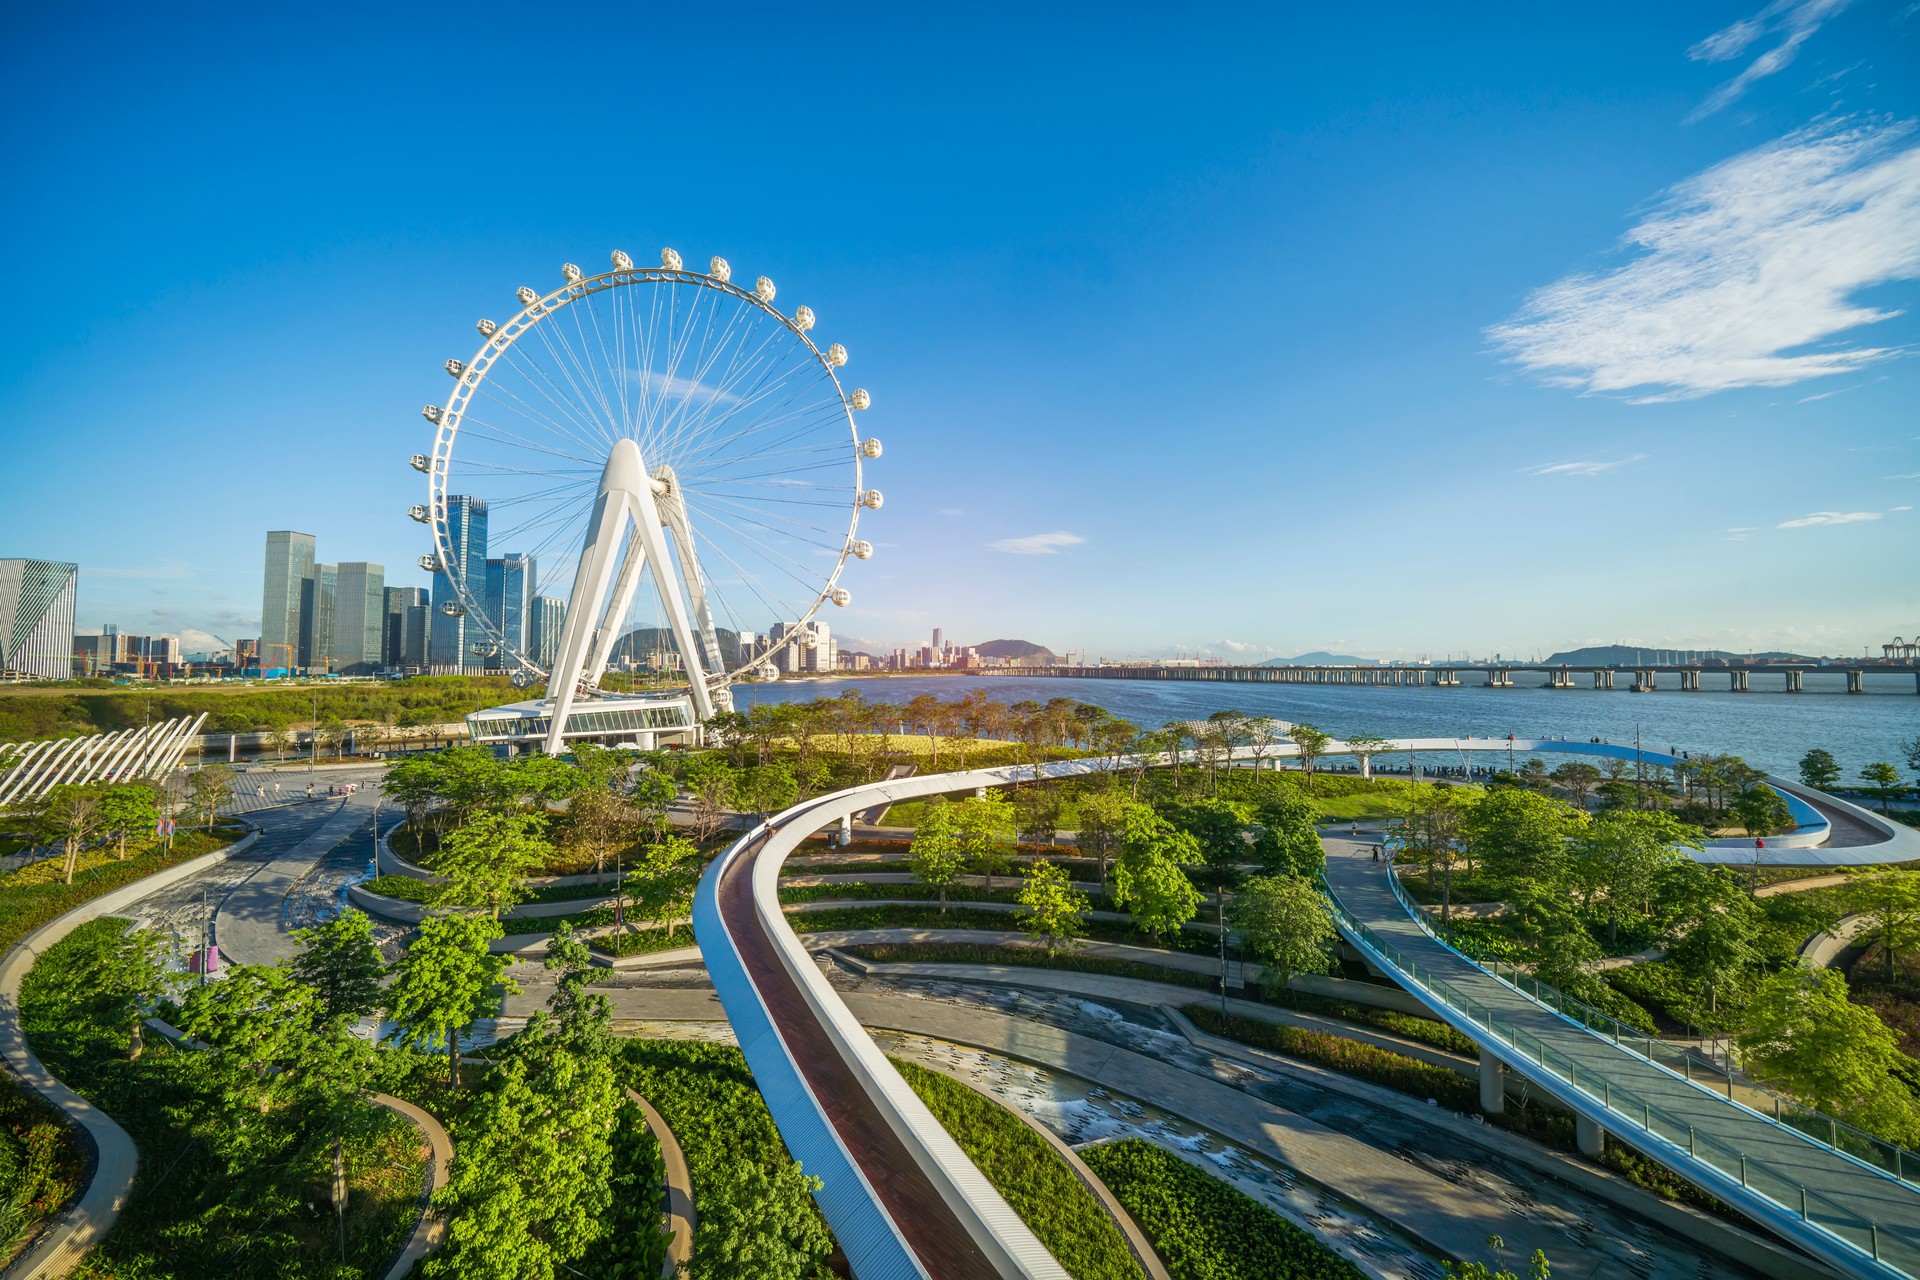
(1892, 1246)
(1816, 1126)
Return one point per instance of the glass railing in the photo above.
(1897, 1247)
(1755, 1097)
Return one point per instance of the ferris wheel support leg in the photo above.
(674, 509)
(579, 636)
(648, 533)
(600, 652)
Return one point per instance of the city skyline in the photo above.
(1539, 331)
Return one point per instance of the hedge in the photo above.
(1024, 1168)
(1204, 1229)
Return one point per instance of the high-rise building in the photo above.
(406, 627)
(359, 617)
(316, 617)
(453, 635)
(546, 619)
(283, 596)
(510, 584)
(938, 647)
(36, 618)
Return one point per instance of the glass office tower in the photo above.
(449, 647)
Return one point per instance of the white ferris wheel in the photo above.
(664, 450)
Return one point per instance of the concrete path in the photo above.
(1852, 1213)
(67, 1240)
(432, 1228)
(249, 926)
(679, 1213)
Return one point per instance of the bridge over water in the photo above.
(1690, 677)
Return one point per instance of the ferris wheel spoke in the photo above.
(708, 355)
(504, 397)
(802, 420)
(812, 535)
(600, 367)
(500, 435)
(795, 527)
(582, 431)
(554, 338)
(779, 611)
(774, 381)
(805, 575)
(765, 358)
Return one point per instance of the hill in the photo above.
(1321, 658)
(1012, 649)
(1625, 655)
(640, 643)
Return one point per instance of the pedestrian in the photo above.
(1376, 853)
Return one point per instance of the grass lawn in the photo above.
(33, 895)
(1025, 1169)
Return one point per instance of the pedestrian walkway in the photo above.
(248, 925)
(1848, 1204)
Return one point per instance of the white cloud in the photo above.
(1830, 517)
(1037, 544)
(1902, 507)
(1794, 21)
(1739, 270)
(1587, 468)
(1740, 533)
(1906, 475)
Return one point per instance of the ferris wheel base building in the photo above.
(637, 723)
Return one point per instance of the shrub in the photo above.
(1364, 1061)
(1024, 957)
(1021, 1165)
(1204, 1229)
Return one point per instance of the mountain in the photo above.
(1321, 658)
(1625, 655)
(1012, 649)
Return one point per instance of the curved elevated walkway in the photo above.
(1846, 1200)
(905, 1201)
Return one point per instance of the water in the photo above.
(1769, 730)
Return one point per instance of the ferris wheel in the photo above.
(664, 450)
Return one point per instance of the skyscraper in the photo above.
(546, 619)
(36, 618)
(452, 634)
(316, 616)
(289, 565)
(406, 629)
(359, 617)
(510, 582)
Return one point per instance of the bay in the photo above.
(1768, 729)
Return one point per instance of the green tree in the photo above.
(599, 824)
(1102, 811)
(532, 1188)
(1618, 858)
(127, 808)
(979, 823)
(414, 784)
(1892, 904)
(1286, 834)
(73, 814)
(1537, 1267)
(1365, 746)
(276, 1045)
(1036, 815)
(1051, 909)
(1521, 836)
(664, 882)
(1561, 947)
(485, 863)
(761, 1226)
(340, 962)
(210, 786)
(1883, 782)
(1805, 1035)
(765, 789)
(1579, 778)
(1282, 922)
(936, 856)
(1219, 828)
(1148, 879)
(1310, 742)
(1762, 811)
(1819, 770)
(1712, 926)
(1432, 831)
(444, 984)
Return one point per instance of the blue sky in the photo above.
(1394, 331)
